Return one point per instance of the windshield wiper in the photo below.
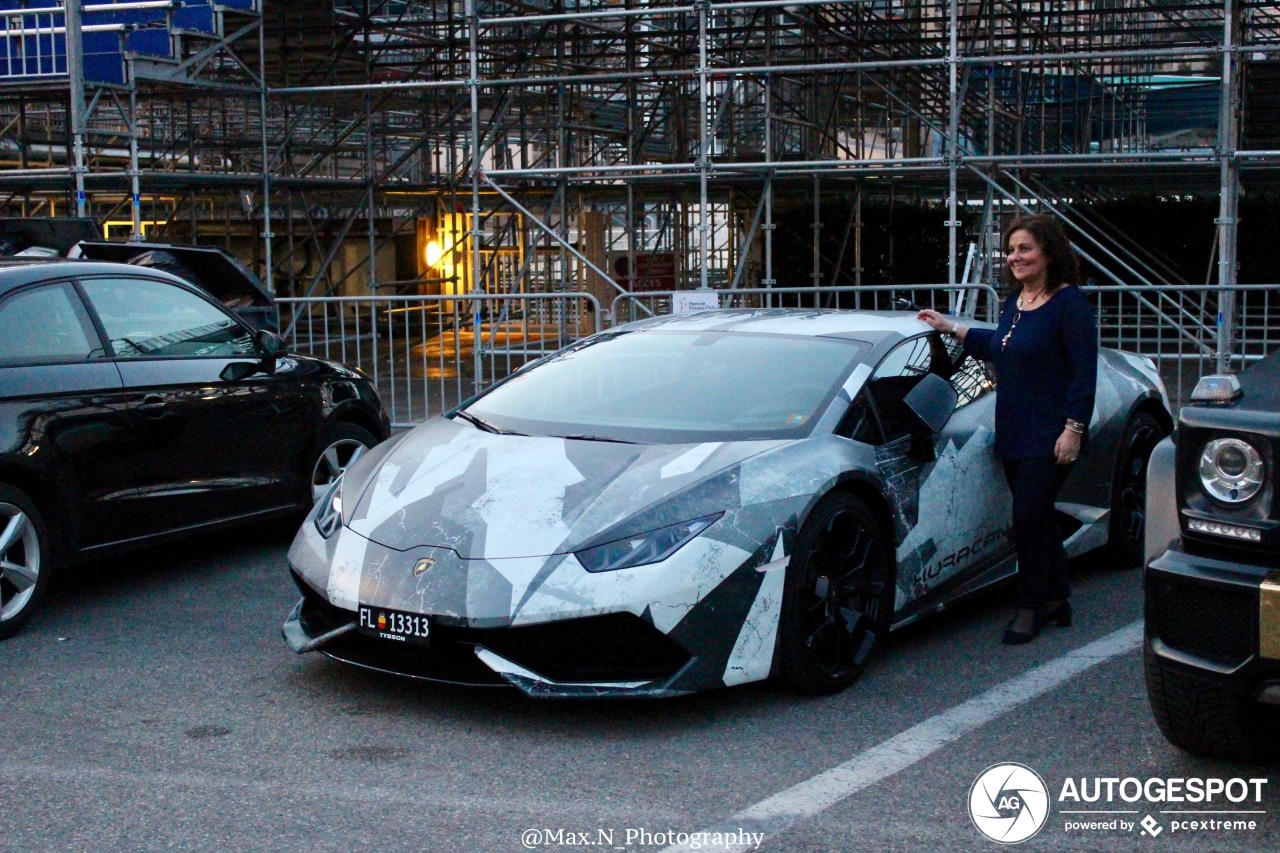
(484, 425)
(582, 437)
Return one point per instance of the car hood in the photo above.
(491, 496)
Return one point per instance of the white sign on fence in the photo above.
(694, 300)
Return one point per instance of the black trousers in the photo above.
(1042, 562)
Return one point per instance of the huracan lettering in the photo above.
(975, 549)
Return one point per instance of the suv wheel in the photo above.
(1204, 719)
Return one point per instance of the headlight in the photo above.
(652, 547)
(1231, 470)
(329, 515)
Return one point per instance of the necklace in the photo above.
(1030, 300)
(1004, 342)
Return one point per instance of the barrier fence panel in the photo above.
(429, 353)
(948, 298)
(1176, 326)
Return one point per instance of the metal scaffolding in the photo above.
(448, 146)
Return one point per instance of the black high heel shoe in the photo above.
(1018, 638)
(1060, 615)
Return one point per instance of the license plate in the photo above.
(394, 625)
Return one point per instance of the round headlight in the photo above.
(1231, 470)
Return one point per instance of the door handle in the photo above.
(153, 405)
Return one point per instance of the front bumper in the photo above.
(706, 617)
(1217, 620)
(614, 655)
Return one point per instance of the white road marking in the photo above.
(814, 795)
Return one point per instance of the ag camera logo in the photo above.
(1009, 803)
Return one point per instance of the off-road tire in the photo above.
(1204, 719)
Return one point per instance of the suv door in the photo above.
(63, 418)
(214, 443)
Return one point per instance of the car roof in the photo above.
(814, 322)
(18, 272)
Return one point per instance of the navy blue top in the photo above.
(1046, 371)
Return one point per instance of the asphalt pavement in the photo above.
(152, 705)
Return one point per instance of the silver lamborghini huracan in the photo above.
(697, 501)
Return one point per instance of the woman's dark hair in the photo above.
(1063, 267)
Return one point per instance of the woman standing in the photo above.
(1046, 358)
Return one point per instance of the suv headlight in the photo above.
(329, 515)
(1231, 470)
(652, 547)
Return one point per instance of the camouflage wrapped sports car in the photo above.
(696, 501)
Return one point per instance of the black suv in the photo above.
(1212, 652)
(135, 407)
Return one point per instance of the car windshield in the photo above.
(670, 387)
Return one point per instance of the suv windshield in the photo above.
(671, 387)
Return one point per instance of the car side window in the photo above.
(971, 378)
(46, 324)
(913, 358)
(146, 318)
(878, 413)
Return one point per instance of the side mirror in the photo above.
(270, 344)
(237, 370)
(932, 401)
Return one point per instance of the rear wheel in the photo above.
(838, 597)
(341, 444)
(1129, 488)
(24, 559)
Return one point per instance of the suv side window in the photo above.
(46, 324)
(146, 318)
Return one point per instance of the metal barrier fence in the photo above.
(1177, 327)
(1174, 325)
(965, 299)
(429, 353)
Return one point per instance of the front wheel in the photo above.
(341, 444)
(24, 559)
(838, 597)
(1129, 488)
(1207, 720)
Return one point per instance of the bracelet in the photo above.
(1075, 426)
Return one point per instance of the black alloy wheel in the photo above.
(24, 559)
(1129, 488)
(838, 598)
